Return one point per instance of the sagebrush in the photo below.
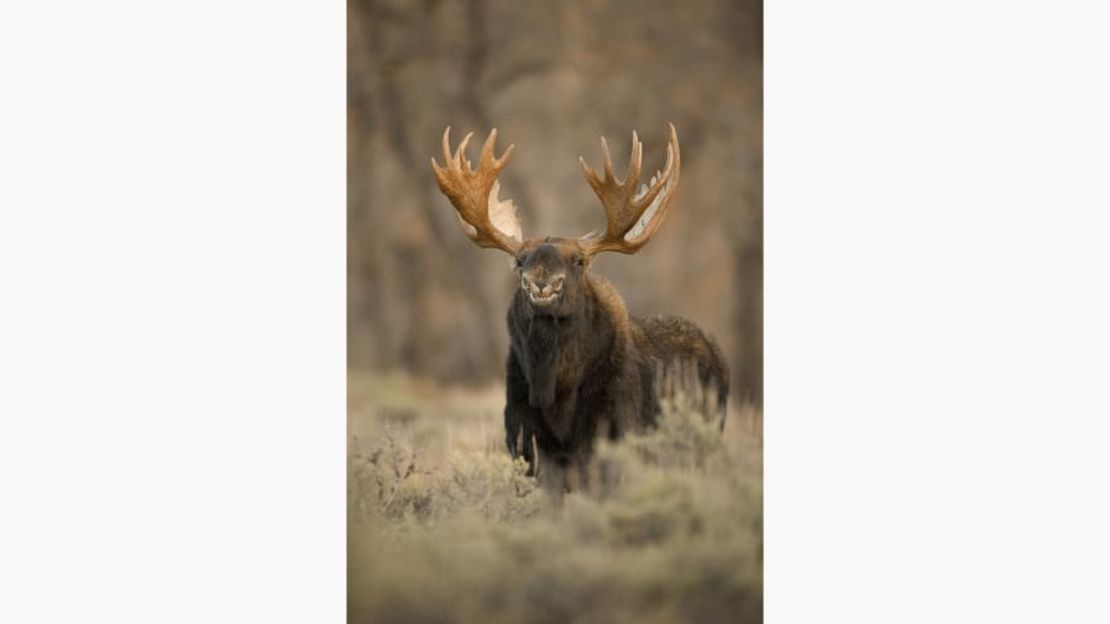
(445, 527)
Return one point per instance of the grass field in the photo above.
(444, 527)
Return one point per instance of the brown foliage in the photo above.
(672, 534)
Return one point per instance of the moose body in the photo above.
(579, 367)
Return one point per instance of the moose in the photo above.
(579, 366)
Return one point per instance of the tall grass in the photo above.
(444, 527)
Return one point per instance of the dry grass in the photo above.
(444, 527)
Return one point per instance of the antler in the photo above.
(487, 220)
(632, 216)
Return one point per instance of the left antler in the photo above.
(632, 217)
(487, 220)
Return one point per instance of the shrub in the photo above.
(671, 530)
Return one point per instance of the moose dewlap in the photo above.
(579, 365)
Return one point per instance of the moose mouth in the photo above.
(542, 300)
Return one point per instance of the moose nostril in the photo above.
(557, 283)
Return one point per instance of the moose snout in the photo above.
(542, 286)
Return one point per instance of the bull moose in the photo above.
(579, 366)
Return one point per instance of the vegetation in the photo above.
(444, 527)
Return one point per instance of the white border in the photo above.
(172, 261)
(937, 263)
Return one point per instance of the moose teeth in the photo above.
(542, 299)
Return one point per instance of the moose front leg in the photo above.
(519, 416)
(519, 434)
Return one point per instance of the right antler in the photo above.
(631, 217)
(487, 220)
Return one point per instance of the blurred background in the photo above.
(552, 77)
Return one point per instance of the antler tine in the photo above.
(460, 154)
(486, 156)
(609, 175)
(634, 160)
(500, 162)
(590, 175)
(446, 147)
(487, 159)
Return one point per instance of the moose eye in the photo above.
(579, 261)
(519, 261)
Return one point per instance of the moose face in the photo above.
(550, 272)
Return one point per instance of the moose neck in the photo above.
(554, 347)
